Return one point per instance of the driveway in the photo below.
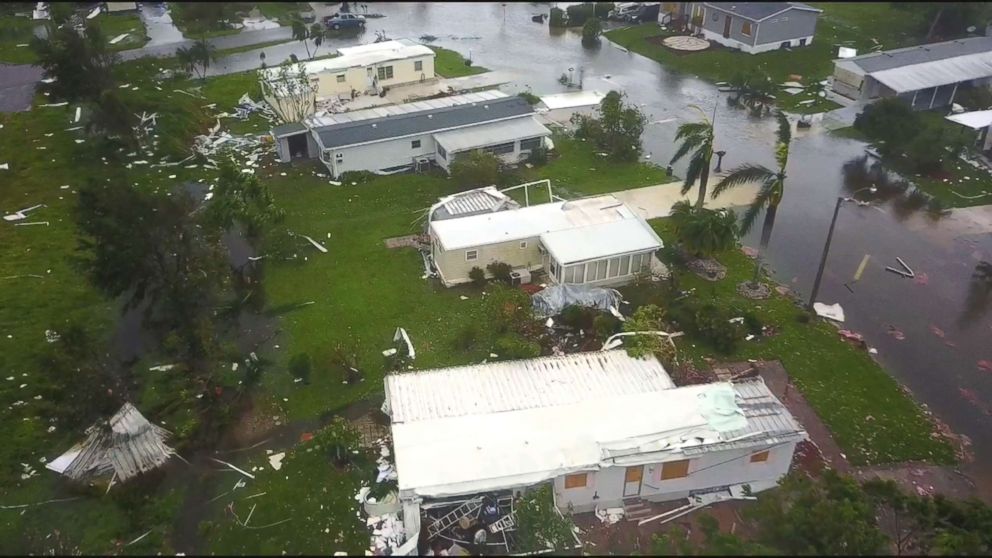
(17, 83)
(652, 202)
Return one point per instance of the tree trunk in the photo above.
(704, 177)
(766, 227)
(933, 26)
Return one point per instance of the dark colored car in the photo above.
(344, 21)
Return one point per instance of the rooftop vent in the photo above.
(485, 107)
(373, 125)
(430, 116)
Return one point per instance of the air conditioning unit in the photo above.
(519, 277)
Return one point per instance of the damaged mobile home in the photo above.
(604, 429)
(597, 240)
(411, 135)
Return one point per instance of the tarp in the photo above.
(552, 300)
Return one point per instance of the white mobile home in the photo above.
(604, 428)
(596, 240)
(361, 69)
(393, 138)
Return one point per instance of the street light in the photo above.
(826, 245)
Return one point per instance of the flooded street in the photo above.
(944, 334)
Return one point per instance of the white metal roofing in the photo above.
(935, 73)
(479, 200)
(528, 222)
(373, 47)
(490, 134)
(573, 99)
(406, 108)
(461, 436)
(976, 119)
(359, 58)
(600, 241)
(519, 384)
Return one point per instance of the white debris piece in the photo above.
(51, 336)
(829, 311)
(275, 460)
(96, 11)
(162, 368)
(20, 214)
(4, 166)
(118, 38)
(401, 334)
(609, 515)
(389, 352)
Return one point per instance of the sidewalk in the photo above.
(652, 202)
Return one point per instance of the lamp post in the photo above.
(719, 160)
(826, 245)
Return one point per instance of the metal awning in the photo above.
(490, 134)
(975, 120)
(936, 73)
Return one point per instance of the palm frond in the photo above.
(693, 172)
(742, 174)
(685, 147)
(689, 129)
(784, 128)
(759, 203)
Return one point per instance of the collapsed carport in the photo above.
(293, 141)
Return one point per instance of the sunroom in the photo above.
(604, 254)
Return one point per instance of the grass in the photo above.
(19, 31)
(853, 25)
(873, 420)
(281, 12)
(451, 64)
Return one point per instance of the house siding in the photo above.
(716, 27)
(454, 268)
(791, 25)
(709, 470)
(357, 77)
(379, 155)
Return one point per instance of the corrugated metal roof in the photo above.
(933, 74)
(357, 57)
(520, 384)
(490, 134)
(600, 241)
(528, 222)
(425, 121)
(897, 58)
(472, 202)
(757, 11)
(406, 108)
(472, 429)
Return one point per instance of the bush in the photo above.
(605, 325)
(753, 323)
(704, 232)
(591, 31)
(299, 367)
(508, 309)
(579, 14)
(477, 276)
(500, 271)
(710, 322)
(476, 168)
(529, 97)
(557, 18)
(578, 317)
(356, 177)
(466, 338)
(538, 156)
(512, 347)
(974, 98)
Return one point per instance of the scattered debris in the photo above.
(232, 467)
(895, 332)
(936, 331)
(831, 311)
(401, 334)
(118, 38)
(20, 215)
(275, 460)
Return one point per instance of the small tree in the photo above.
(557, 18)
(80, 64)
(478, 276)
(500, 271)
(704, 232)
(697, 138)
(617, 130)
(242, 199)
(198, 56)
(475, 168)
(292, 94)
(591, 32)
(304, 33)
(650, 318)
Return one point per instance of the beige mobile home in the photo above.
(361, 69)
(605, 429)
(596, 240)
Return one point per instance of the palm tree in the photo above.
(197, 56)
(698, 138)
(772, 183)
(317, 31)
(301, 33)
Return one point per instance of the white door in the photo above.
(632, 481)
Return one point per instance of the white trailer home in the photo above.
(596, 240)
(398, 137)
(606, 429)
(359, 70)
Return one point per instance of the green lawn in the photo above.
(451, 64)
(871, 418)
(16, 31)
(282, 12)
(848, 24)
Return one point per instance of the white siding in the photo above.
(454, 267)
(381, 155)
(709, 470)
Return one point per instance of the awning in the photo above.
(474, 137)
(975, 120)
(600, 241)
(936, 73)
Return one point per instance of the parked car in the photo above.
(344, 21)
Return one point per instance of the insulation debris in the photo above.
(829, 311)
(119, 38)
(401, 334)
(21, 214)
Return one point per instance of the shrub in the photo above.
(299, 367)
(466, 338)
(557, 18)
(591, 31)
(538, 156)
(710, 322)
(704, 232)
(508, 309)
(356, 177)
(605, 325)
(476, 168)
(511, 347)
(974, 98)
(578, 317)
(529, 97)
(753, 323)
(500, 271)
(477, 276)
(616, 130)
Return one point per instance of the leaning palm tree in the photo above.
(698, 138)
(772, 183)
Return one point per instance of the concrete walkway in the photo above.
(652, 202)
(245, 38)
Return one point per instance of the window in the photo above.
(339, 155)
(442, 152)
(418, 66)
(746, 28)
(624, 265)
(340, 78)
(523, 244)
(415, 144)
(614, 267)
(385, 72)
(802, 42)
(675, 470)
(471, 255)
(575, 273)
(601, 270)
(530, 144)
(575, 481)
(760, 457)
(500, 149)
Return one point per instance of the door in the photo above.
(726, 28)
(632, 481)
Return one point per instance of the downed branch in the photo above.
(21, 506)
(242, 471)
